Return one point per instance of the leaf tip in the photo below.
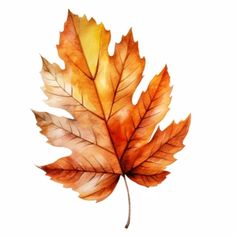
(92, 20)
(69, 13)
(129, 36)
(44, 168)
(188, 119)
(35, 113)
(165, 71)
(130, 32)
(40, 167)
(45, 64)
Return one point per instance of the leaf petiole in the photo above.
(129, 203)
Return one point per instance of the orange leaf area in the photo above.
(108, 136)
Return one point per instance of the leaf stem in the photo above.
(129, 203)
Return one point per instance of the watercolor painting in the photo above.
(109, 136)
(112, 85)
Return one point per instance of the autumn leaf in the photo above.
(108, 136)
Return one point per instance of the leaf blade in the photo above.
(91, 185)
(108, 135)
(154, 157)
(129, 68)
(148, 180)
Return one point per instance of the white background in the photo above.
(197, 40)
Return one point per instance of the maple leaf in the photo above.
(108, 136)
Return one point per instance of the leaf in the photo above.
(108, 136)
